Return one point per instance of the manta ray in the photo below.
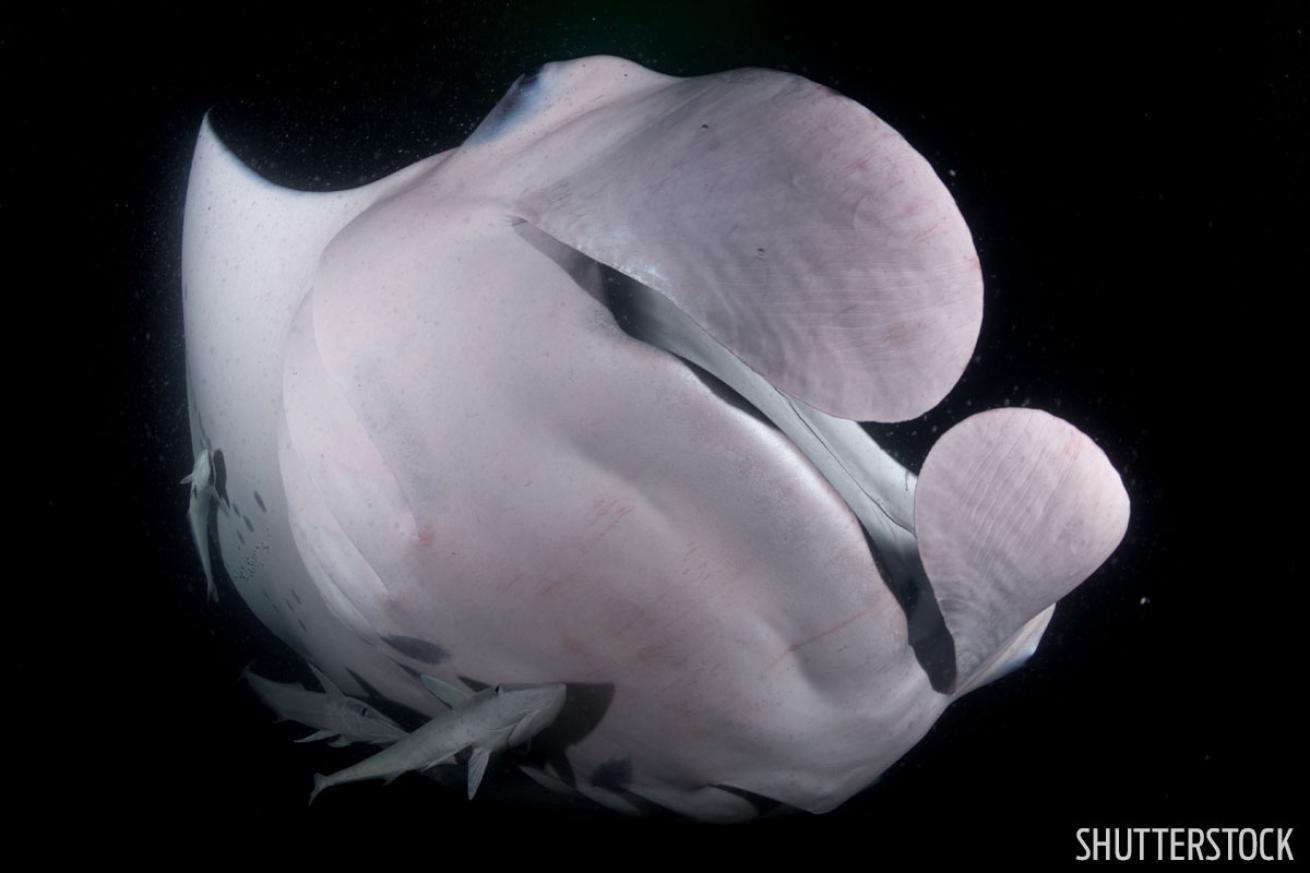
(577, 404)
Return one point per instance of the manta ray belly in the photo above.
(485, 462)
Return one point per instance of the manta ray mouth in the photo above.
(842, 453)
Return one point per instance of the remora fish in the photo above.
(203, 494)
(493, 719)
(335, 715)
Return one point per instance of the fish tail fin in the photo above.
(476, 768)
(320, 782)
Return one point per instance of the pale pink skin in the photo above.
(454, 442)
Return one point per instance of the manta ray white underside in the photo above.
(576, 403)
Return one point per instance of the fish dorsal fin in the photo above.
(477, 767)
(475, 685)
(1014, 508)
(328, 685)
(447, 694)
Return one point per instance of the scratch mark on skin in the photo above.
(619, 515)
(547, 589)
(926, 233)
(703, 567)
(814, 639)
(628, 625)
(601, 509)
(607, 512)
(516, 579)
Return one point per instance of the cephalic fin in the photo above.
(1014, 508)
(316, 736)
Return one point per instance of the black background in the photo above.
(1137, 188)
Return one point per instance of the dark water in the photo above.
(1132, 185)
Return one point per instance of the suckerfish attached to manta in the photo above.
(203, 495)
(493, 719)
(334, 715)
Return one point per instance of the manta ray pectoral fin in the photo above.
(250, 249)
(447, 694)
(316, 736)
(477, 767)
(1014, 509)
